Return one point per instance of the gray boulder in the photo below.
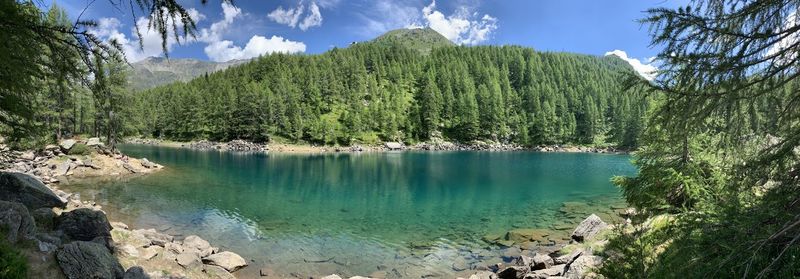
(556, 270)
(483, 275)
(394, 145)
(217, 272)
(188, 260)
(16, 221)
(228, 260)
(136, 272)
(94, 142)
(588, 228)
(197, 245)
(582, 265)
(82, 259)
(66, 145)
(27, 190)
(541, 261)
(44, 218)
(513, 272)
(156, 238)
(568, 258)
(84, 224)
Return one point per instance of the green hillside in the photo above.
(421, 39)
(385, 90)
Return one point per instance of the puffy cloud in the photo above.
(217, 29)
(108, 29)
(258, 45)
(648, 71)
(460, 27)
(217, 48)
(291, 17)
(313, 19)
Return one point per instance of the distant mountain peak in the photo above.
(420, 39)
(154, 71)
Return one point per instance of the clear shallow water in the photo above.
(409, 214)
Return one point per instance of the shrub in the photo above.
(79, 149)
(12, 263)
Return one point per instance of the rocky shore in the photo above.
(66, 237)
(435, 144)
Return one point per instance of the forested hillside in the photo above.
(385, 90)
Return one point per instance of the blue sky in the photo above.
(314, 26)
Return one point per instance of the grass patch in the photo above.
(79, 149)
(13, 264)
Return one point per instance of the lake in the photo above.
(408, 214)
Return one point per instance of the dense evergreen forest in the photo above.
(386, 91)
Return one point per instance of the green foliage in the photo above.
(385, 89)
(79, 149)
(13, 264)
(720, 148)
(423, 40)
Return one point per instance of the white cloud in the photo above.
(258, 45)
(648, 71)
(108, 29)
(313, 19)
(218, 29)
(217, 48)
(460, 27)
(291, 17)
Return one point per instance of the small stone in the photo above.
(332, 276)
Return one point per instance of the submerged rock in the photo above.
(27, 190)
(83, 259)
(84, 224)
(588, 228)
(228, 260)
(16, 222)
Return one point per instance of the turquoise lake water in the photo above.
(408, 214)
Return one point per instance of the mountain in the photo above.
(154, 71)
(419, 39)
(385, 90)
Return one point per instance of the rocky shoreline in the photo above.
(436, 144)
(72, 238)
(68, 228)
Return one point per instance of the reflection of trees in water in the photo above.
(399, 196)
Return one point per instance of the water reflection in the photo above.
(409, 213)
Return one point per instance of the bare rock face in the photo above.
(588, 228)
(228, 260)
(83, 259)
(17, 222)
(84, 224)
(27, 190)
